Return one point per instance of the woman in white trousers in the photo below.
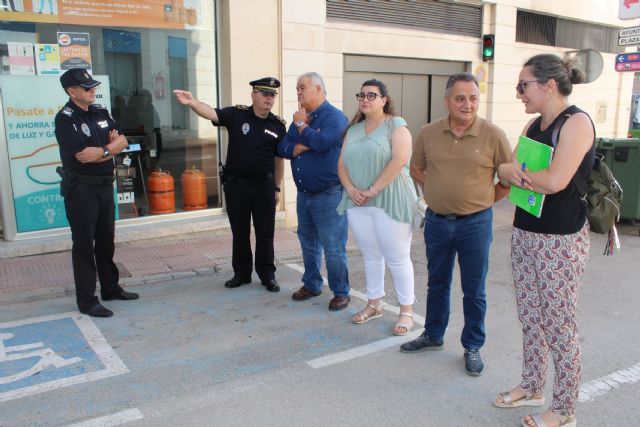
(378, 200)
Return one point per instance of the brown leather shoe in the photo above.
(339, 303)
(304, 294)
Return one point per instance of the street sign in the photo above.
(628, 62)
(627, 36)
(625, 41)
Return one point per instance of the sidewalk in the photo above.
(155, 260)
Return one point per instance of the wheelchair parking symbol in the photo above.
(46, 353)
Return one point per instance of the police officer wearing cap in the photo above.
(251, 177)
(88, 139)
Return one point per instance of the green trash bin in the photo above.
(605, 147)
(623, 158)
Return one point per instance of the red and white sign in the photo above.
(629, 9)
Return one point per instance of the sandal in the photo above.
(529, 399)
(568, 421)
(363, 316)
(406, 324)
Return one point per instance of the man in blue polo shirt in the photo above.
(313, 145)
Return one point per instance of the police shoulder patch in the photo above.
(280, 119)
(242, 107)
(67, 111)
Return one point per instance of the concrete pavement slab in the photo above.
(200, 354)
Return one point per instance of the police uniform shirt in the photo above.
(252, 141)
(77, 129)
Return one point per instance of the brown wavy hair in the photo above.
(388, 108)
(565, 72)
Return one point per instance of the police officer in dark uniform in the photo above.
(251, 176)
(88, 139)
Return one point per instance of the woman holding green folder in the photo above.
(549, 253)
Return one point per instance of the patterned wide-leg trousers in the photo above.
(547, 272)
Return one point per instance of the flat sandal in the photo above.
(362, 316)
(567, 421)
(403, 324)
(528, 399)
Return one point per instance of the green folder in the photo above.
(536, 156)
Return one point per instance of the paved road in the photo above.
(192, 353)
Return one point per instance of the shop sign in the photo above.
(30, 104)
(21, 59)
(75, 50)
(47, 58)
(171, 14)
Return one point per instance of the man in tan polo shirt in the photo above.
(455, 159)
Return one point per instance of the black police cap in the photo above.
(269, 84)
(77, 77)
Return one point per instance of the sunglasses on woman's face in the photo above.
(521, 86)
(371, 96)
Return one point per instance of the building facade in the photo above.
(144, 49)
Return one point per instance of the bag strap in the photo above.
(579, 181)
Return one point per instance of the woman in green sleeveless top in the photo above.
(378, 200)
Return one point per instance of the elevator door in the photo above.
(408, 93)
(416, 86)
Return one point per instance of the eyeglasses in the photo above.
(267, 93)
(521, 86)
(371, 96)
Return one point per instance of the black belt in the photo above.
(324, 190)
(94, 179)
(252, 180)
(453, 217)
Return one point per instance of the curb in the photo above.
(135, 281)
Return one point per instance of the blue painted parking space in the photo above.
(45, 353)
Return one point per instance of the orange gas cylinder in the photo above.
(194, 189)
(162, 198)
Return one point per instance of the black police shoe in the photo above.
(473, 362)
(97, 310)
(271, 285)
(237, 281)
(124, 296)
(422, 343)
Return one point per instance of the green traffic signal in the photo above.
(488, 47)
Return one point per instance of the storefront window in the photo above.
(140, 50)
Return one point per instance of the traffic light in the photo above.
(488, 47)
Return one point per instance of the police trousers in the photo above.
(252, 199)
(90, 211)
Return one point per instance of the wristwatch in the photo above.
(299, 123)
(106, 152)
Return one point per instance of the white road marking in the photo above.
(113, 365)
(363, 350)
(366, 349)
(606, 384)
(588, 391)
(116, 419)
